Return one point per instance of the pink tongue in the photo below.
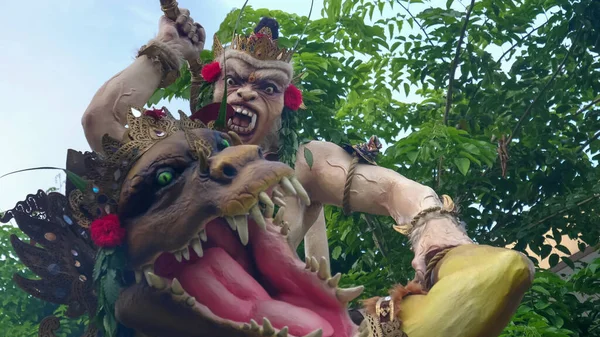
(226, 288)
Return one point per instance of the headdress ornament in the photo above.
(261, 46)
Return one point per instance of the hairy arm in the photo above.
(478, 289)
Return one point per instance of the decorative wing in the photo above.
(60, 252)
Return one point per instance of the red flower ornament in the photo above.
(107, 232)
(211, 72)
(292, 98)
(155, 113)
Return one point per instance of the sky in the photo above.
(55, 56)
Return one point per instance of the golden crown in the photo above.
(261, 46)
(104, 173)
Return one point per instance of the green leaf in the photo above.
(553, 260)
(563, 249)
(111, 286)
(337, 251)
(568, 262)
(406, 88)
(221, 120)
(545, 251)
(100, 263)
(463, 165)
(206, 56)
(110, 325)
(412, 156)
(156, 97)
(308, 156)
(540, 289)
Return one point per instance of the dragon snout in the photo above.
(226, 165)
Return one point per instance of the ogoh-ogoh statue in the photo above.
(174, 228)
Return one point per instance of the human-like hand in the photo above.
(183, 34)
(432, 237)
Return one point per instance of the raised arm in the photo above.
(157, 65)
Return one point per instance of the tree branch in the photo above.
(513, 46)
(416, 21)
(596, 136)
(455, 62)
(521, 40)
(595, 196)
(583, 202)
(530, 107)
(587, 107)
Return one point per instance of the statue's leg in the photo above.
(315, 240)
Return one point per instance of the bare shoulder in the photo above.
(319, 150)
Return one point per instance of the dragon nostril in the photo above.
(229, 171)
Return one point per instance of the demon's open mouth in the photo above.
(244, 121)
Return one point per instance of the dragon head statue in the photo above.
(197, 248)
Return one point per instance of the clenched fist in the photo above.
(183, 34)
(432, 237)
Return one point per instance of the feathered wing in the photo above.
(60, 252)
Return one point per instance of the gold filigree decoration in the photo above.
(261, 46)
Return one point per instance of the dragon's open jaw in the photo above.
(265, 279)
(237, 272)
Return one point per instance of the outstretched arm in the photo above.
(374, 190)
(133, 86)
(477, 291)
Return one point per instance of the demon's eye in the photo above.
(231, 81)
(164, 176)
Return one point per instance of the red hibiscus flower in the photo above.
(211, 72)
(107, 232)
(292, 98)
(155, 113)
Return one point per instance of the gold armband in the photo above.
(165, 58)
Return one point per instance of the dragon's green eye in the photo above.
(223, 144)
(164, 176)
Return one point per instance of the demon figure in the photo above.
(181, 227)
